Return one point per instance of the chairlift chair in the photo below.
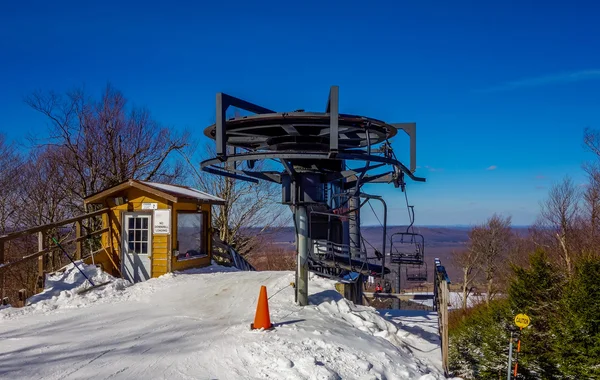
(416, 272)
(407, 248)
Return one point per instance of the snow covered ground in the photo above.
(195, 325)
(455, 300)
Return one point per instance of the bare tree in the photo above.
(103, 143)
(558, 218)
(10, 163)
(591, 140)
(44, 196)
(589, 218)
(469, 261)
(492, 241)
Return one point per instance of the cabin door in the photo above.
(135, 260)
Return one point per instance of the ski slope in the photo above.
(195, 325)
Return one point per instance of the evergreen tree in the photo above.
(578, 323)
(479, 344)
(535, 291)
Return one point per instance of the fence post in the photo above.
(41, 261)
(445, 299)
(441, 299)
(78, 243)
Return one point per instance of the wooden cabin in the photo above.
(155, 228)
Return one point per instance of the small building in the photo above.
(153, 229)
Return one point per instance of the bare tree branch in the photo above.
(103, 143)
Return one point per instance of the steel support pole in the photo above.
(398, 284)
(354, 229)
(302, 242)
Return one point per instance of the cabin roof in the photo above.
(173, 193)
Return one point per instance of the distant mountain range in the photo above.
(440, 241)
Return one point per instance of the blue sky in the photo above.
(507, 86)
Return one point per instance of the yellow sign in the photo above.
(522, 320)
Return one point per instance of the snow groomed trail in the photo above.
(195, 325)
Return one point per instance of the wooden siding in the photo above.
(162, 259)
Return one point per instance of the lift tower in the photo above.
(314, 150)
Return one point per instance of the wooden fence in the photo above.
(441, 301)
(226, 255)
(27, 256)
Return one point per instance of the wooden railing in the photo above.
(230, 255)
(441, 300)
(20, 277)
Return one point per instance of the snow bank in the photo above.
(195, 324)
(62, 288)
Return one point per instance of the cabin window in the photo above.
(191, 242)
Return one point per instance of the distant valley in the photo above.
(440, 241)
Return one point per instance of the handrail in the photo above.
(441, 299)
(5, 266)
(237, 260)
(14, 235)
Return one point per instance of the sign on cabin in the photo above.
(149, 206)
(162, 222)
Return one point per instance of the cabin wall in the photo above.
(163, 260)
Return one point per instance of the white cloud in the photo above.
(572, 77)
(493, 167)
(432, 169)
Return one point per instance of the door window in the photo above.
(138, 234)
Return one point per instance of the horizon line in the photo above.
(425, 225)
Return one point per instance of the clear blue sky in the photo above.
(507, 86)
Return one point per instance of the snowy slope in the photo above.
(455, 300)
(195, 325)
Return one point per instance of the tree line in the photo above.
(551, 273)
(94, 142)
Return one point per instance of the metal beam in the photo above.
(267, 176)
(377, 178)
(291, 130)
(246, 106)
(411, 131)
(312, 156)
(334, 114)
(351, 172)
(220, 137)
(223, 102)
(303, 242)
(226, 173)
(288, 167)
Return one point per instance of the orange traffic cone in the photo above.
(262, 320)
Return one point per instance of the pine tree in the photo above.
(535, 291)
(578, 326)
(479, 344)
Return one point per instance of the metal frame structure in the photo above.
(313, 149)
(402, 257)
(420, 275)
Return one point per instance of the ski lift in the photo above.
(407, 247)
(416, 272)
(333, 259)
